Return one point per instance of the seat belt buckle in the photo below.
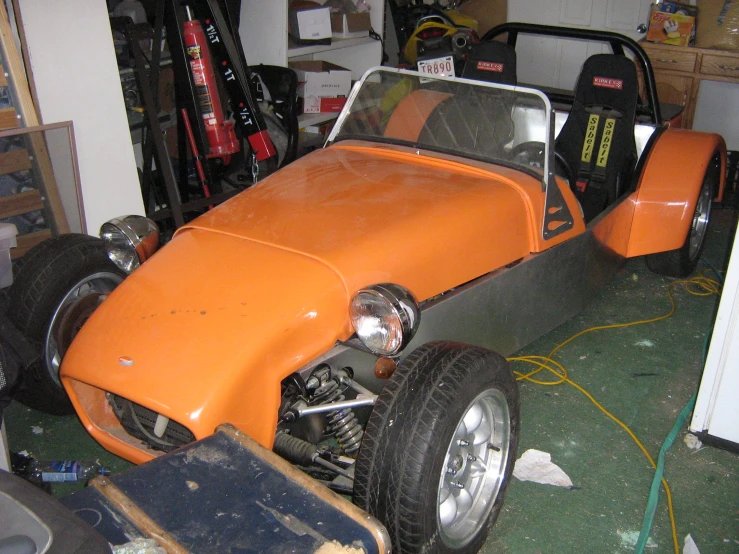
(581, 185)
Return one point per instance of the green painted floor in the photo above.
(603, 512)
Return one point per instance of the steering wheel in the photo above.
(531, 153)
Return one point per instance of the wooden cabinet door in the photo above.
(673, 89)
(677, 89)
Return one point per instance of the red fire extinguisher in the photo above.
(221, 135)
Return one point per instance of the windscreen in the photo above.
(482, 121)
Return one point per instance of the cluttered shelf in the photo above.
(294, 50)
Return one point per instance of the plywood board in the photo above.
(21, 203)
(26, 242)
(14, 160)
(8, 119)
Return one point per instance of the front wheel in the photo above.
(682, 261)
(61, 283)
(438, 450)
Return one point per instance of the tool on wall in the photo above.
(218, 115)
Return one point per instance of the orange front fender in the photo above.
(668, 189)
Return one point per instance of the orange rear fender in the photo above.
(668, 189)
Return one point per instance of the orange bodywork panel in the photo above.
(665, 199)
(389, 214)
(657, 216)
(200, 308)
(614, 228)
(260, 286)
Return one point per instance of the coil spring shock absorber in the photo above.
(341, 424)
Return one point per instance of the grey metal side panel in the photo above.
(513, 307)
(505, 310)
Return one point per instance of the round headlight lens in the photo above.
(385, 318)
(120, 250)
(130, 241)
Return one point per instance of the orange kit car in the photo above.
(368, 292)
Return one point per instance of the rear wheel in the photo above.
(682, 261)
(56, 290)
(438, 450)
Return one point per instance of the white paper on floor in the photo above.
(692, 442)
(537, 466)
(690, 547)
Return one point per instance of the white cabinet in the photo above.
(716, 410)
(263, 31)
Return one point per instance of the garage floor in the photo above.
(644, 375)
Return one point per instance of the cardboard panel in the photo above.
(488, 13)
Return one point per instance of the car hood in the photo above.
(375, 214)
(206, 329)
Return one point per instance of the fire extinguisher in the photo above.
(221, 135)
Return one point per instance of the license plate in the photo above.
(437, 66)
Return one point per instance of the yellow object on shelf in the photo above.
(672, 23)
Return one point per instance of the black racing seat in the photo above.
(491, 61)
(597, 140)
(456, 123)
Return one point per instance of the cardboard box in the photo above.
(488, 13)
(8, 233)
(323, 86)
(718, 24)
(672, 23)
(350, 25)
(310, 25)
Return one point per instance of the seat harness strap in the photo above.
(600, 130)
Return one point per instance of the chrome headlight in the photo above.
(129, 241)
(385, 317)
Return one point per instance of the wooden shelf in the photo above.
(336, 44)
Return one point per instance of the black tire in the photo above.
(682, 261)
(38, 299)
(411, 433)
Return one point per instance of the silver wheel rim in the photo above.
(98, 283)
(700, 220)
(473, 469)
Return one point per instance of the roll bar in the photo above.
(616, 41)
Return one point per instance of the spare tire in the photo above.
(59, 285)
